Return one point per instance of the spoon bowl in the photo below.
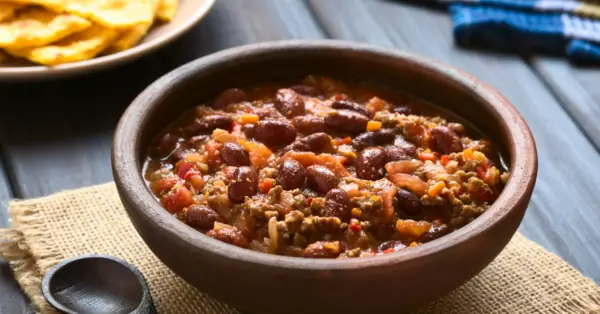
(97, 284)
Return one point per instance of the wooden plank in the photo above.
(5, 196)
(57, 135)
(12, 299)
(562, 215)
(577, 89)
(238, 22)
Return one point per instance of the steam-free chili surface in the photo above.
(322, 169)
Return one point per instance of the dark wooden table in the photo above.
(57, 135)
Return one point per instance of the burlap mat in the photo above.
(523, 279)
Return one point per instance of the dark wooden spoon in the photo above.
(97, 284)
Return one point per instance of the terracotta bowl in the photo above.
(262, 283)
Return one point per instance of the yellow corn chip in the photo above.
(167, 10)
(113, 13)
(77, 47)
(57, 6)
(37, 26)
(7, 10)
(130, 37)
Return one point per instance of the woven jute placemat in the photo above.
(523, 279)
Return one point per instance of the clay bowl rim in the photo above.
(129, 180)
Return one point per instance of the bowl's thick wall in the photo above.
(271, 284)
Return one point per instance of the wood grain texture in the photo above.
(238, 22)
(12, 299)
(57, 135)
(577, 89)
(5, 196)
(562, 215)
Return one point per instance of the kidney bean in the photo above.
(409, 148)
(248, 130)
(202, 217)
(436, 231)
(350, 105)
(295, 147)
(393, 244)
(402, 110)
(306, 90)
(243, 183)
(166, 144)
(408, 201)
(309, 124)
(376, 138)
(318, 143)
(395, 153)
(274, 132)
(229, 235)
(321, 179)
(229, 96)
(180, 154)
(291, 174)
(337, 204)
(234, 154)
(198, 139)
(267, 112)
(446, 140)
(323, 249)
(208, 124)
(289, 103)
(347, 121)
(370, 163)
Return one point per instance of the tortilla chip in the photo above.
(7, 10)
(130, 37)
(77, 47)
(113, 13)
(36, 26)
(167, 10)
(57, 6)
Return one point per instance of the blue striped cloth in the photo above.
(564, 27)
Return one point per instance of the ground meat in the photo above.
(229, 235)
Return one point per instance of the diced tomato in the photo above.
(266, 185)
(339, 97)
(342, 141)
(177, 200)
(197, 181)
(480, 173)
(427, 156)
(184, 168)
(163, 185)
(355, 227)
(444, 160)
(213, 149)
(309, 200)
(191, 173)
(390, 250)
(435, 189)
(259, 155)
